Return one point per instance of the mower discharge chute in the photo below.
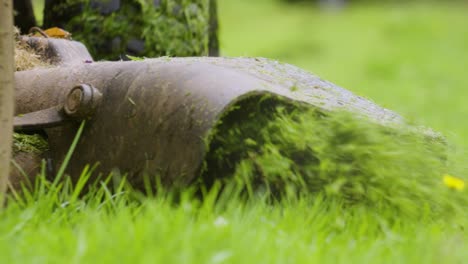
(154, 116)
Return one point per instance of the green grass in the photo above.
(379, 197)
(53, 225)
(157, 231)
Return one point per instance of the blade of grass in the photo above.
(65, 162)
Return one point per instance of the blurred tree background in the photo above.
(113, 28)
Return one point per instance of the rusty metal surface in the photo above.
(155, 114)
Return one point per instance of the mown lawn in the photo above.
(410, 59)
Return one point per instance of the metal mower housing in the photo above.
(154, 116)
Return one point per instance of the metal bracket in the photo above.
(80, 103)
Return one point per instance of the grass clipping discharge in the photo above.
(337, 156)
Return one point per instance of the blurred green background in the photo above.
(408, 56)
